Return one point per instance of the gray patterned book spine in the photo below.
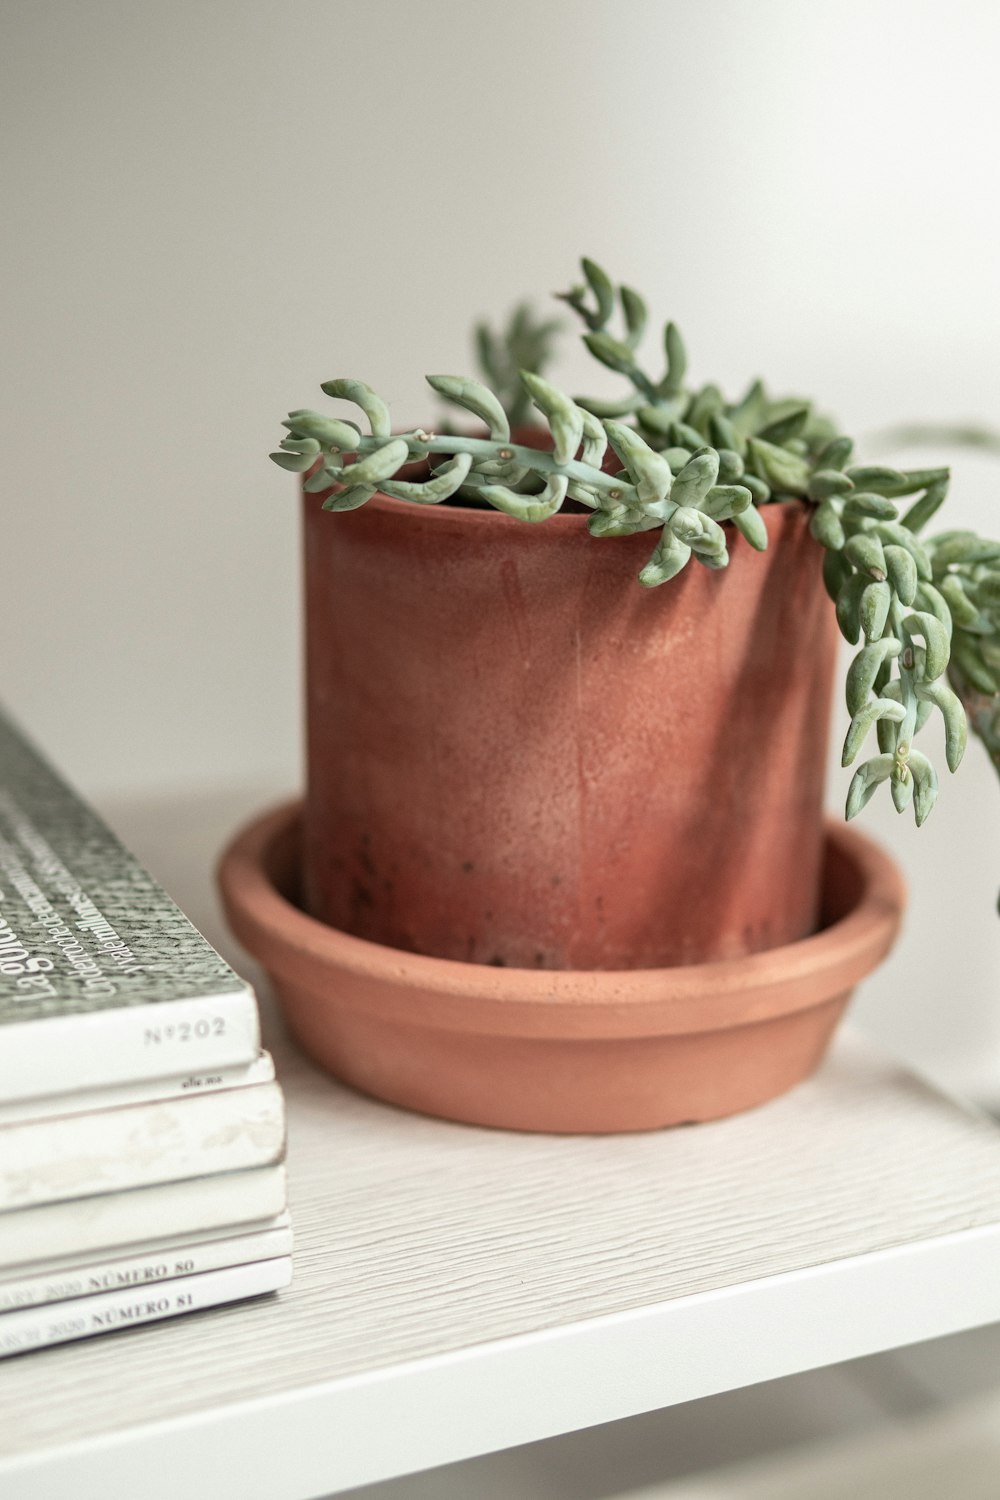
(103, 980)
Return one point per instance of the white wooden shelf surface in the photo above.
(460, 1290)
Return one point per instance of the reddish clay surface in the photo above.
(517, 756)
(571, 1051)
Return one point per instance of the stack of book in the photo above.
(142, 1133)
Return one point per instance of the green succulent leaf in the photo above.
(469, 394)
(599, 408)
(611, 352)
(937, 642)
(723, 435)
(342, 437)
(897, 534)
(760, 491)
(836, 571)
(835, 455)
(362, 395)
(786, 473)
(901, 786)
(963, 611)
(921, 511)
(925, 786)
(532, 508)
(791, 425)
(873, 610)
(730, 466)
(698, 476)
(657, 419)
(827, 527)
(724, 501)
(595, 439)
(867, 503)
(748, 413)
(379, 464)
(649, 470)
(864, 551)
(670, 556)
(636, 315)
(901, 572)
(703, 535)
(447, 481)
(956, 725)
(750, 524)
(966, 652)
(563, 415)
(878, 478)
(602, 288)
(295, 463)
(673, 381)
(350, 499)
(929, 598)
(864, 721)
(323, 479)
(864, 670)
(963, 548)
(866, 779)
(826, 482)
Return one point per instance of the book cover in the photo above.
(103, 980)
(62, 1157)
(109, 1220)
(160, 1260)
(177, 1086)
(81, 1318)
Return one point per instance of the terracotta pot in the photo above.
(571, 1051)
(517, 756)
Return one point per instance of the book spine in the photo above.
(52, 1160)
(63, 1322)
(184, 1086)
(127, 1044)
(114, 1220)
(143, 1268)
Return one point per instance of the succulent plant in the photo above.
(681, 461)
(524, 344)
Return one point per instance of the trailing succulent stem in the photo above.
(683, 461)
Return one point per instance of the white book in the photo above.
(61, 1322)
(103, 980)
(145, 1265)
(109, 1220)
(181, 1086)
(78, 1156)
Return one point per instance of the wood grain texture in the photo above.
(416, 1237)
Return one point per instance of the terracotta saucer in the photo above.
(562, 1050)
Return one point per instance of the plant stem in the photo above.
(421, 444)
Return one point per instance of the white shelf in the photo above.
(460, 1290)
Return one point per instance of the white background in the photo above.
(209, 208)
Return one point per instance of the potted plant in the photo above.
(561, 862)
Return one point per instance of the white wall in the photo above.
(209, 208)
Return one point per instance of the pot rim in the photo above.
(416, 989)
